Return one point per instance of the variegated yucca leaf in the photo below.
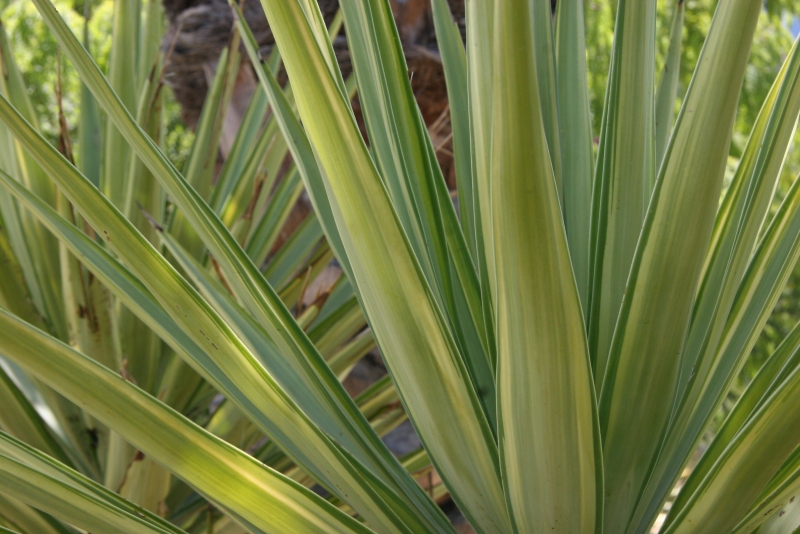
(562, 336)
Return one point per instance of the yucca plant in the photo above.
(561, 341)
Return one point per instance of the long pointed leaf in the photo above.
(420, 351)
(454, 61)
(636, 397)
(668, 85)
(51, 486)
(544, 378)
(404, 156)
(625, 171)
(372, 501)
(123, 68)
(222, 472)
(746, 466)
(250, 384)
(576, 138)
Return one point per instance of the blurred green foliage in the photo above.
(771, 44)
(36, 54)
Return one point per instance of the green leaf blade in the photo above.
(225, 474)
(576, 138)
(544, 379)
(637, 393)
(625, 172)
(408, 326)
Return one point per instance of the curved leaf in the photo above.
(223, 473)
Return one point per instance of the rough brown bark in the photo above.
(200, 29)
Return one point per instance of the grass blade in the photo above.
(229, 175)
(717, 271)
(199, 168)
(90, 139)
(782, 520)
(35, 250)
(544, 48)
(480, 74)
(749, 207)
(780, 493)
